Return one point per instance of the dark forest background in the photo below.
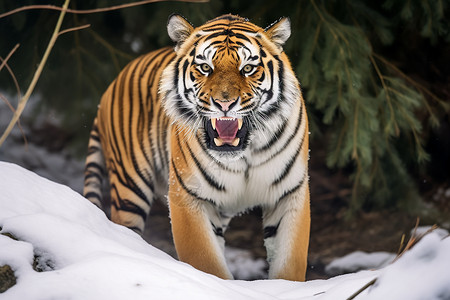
(375, 76)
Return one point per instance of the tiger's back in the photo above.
(218, 125)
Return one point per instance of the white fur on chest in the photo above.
(252, 180)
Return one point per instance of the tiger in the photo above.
(214, 125)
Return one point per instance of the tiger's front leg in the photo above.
(196, 239)
(197, 226)
(286, 236)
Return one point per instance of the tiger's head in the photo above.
(230, 79)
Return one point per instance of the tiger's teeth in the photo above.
(213, 123)
(218, 142)
(240, 124)
(235, 142)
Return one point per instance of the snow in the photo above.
(422, 230)
(83, 255)
(426, 264)
(243, 265)
(359, 260)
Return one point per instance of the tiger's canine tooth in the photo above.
(235, 142)
(218, 142)
(213, 123)
(240, 124)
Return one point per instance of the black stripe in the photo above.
(131, 128)
(129, 183)
(93, 195)
(159, 143)
(271, 231)
(289, 139)
(95, 137)
(181, 148)
(270, 67)
(189, 191)
(114, 142)
(287, 168)
(165, 135)
(217, 230)
(176, 73)
(261, 78)
(94, 165)
(293, 190)
(91, 175)
(184, 69)
(144, 120)
(211, 181)
(274, 138)
(291, 162)
(128, 206)
(281, 98)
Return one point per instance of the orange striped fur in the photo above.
(217, 125)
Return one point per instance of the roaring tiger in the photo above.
(217, 124)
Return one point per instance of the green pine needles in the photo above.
(368, 106)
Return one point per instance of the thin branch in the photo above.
(19, 93)
(409, 79)
(24, 99)
(74, 29)
(5, 64)
(9, 56)
(388, 96)
(90, 11)
(112, 50)
(365, 287)
(413, 239)
(5, 100)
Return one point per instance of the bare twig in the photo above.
(5, 64)
(74, 29)
(413, 239)
(8, 56)
(5, 100)
(16, 83)
(89, 11)
(24, 99)
(365, 287)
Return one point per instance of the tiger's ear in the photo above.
(179, 29)
(279, 31)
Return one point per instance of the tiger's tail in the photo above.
(94, 169)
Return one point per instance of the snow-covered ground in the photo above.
(83, 255)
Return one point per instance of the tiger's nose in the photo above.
(224, 105)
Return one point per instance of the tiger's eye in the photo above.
(247, 69)
(205, 68)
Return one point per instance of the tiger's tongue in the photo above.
(227, 129)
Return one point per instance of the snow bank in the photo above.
(82, 255)
(357, 261)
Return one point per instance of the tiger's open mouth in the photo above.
(226, 134)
